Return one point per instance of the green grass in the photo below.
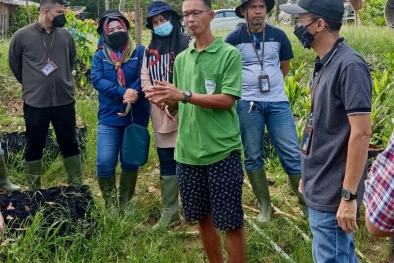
(132, 240)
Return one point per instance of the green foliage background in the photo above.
(19, 19)
(372, 12)
(131, 239)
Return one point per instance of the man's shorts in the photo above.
(214, 189)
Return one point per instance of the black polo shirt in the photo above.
(345, 88)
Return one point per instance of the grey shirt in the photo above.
(345, 88)
(28, 55)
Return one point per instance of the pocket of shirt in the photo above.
(212, 82)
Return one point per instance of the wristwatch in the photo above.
(186, 95)
(347, 195)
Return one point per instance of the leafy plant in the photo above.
(388, 61)
(295, 86)
(380, 112)
(372, 12)
(19, 19)
(84, 33)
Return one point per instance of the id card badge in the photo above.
(306, 139)
(48, 69)
(264, 83)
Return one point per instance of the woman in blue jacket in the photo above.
(116, 71)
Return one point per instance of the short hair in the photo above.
(46, 4)
(332, 24)
(207, 3)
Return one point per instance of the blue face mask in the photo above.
(164, 29)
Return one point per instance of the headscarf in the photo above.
(110, 52)
(162, 51)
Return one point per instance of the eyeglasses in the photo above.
(195, 13)
(297, 21)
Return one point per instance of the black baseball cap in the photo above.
(330, 9)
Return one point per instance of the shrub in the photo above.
(85, 36)
(372, 12)
(20, 19)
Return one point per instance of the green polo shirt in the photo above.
(206, 136)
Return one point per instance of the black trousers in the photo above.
(37, 124)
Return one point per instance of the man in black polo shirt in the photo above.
(336, 135)
(41, 57)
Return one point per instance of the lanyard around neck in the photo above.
(316, 82)
(50, 47)
(262, 48)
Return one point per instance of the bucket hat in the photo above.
(157, 7)
(270, 4)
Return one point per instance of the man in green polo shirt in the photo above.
(206, 86)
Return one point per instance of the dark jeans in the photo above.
(37, 123)
(167, 162)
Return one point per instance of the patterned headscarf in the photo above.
(112, 55)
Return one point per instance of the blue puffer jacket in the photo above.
(104, 79)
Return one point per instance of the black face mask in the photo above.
(58, 21)
(118, 39)
(304, 36)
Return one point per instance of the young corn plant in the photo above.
(293, 86)
(380, 112)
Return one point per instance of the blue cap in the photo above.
(157, 7)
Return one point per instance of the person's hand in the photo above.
(170, 115)
(163, 91)
(300, 186)
(130, 96)
(346, 216)
(162, 106)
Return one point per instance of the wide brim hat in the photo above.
(270, 4)
(111, 13)
(157, 7)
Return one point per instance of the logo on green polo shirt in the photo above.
(210, 86)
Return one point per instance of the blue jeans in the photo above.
(282, 131)
(167, 162)
(109, 144)
(330, 243)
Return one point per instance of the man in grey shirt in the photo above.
(336, 135)
(42, 56)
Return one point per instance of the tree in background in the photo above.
(372, 12)
(357, 5)
(19, 19)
